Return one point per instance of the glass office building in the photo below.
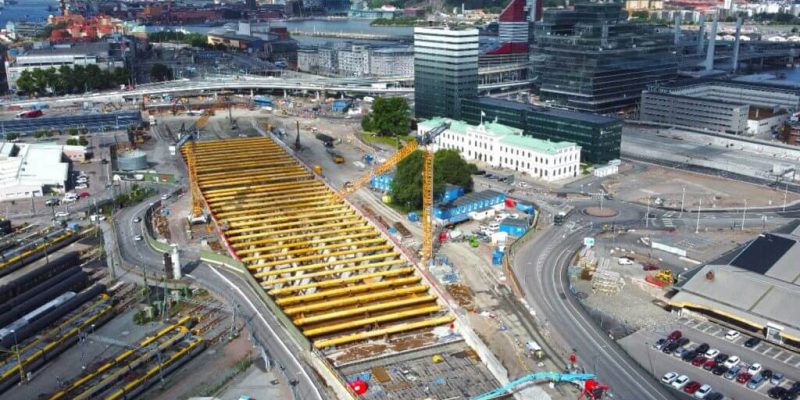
(445, 71)
(593, 59)
(599, 136)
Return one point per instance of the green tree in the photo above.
(72, 131)
(12, 136)
(25, 83)
(95, 78)
(64, 82)
(160, 72)
(120, 76)
(82, 141)
(79, 79)
(448, 167)
(390, 116)
(39, 134)
(72, 142)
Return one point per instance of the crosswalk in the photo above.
(667, 222)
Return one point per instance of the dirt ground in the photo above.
(668, 184)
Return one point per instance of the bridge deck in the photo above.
(330, 270)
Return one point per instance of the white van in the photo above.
(624, 261)
(70, 198)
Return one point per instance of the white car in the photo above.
(711, 353)
(702, 392)
(732, 335)
(81, 186)
(62, 214)
(680, 382)
(624, 261)
(138, 238)
(669, 377)
(731, 362)
(165, 196)
(82, 179)
(754, 369)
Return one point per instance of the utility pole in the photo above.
(647, 216)
(683, 199)
(744, 212)
(697, 227)
(785, 192)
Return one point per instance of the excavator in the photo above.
(591, 389)
(423, 143)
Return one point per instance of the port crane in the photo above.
(422, 142)
(590, 388)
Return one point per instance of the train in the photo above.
(73, 280)
(35, 315)
(30, 252)
(20, 284)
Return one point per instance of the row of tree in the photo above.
(448, 167)
(67, 79)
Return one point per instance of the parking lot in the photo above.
(641, 347)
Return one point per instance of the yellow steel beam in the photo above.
(242, 208)
(284, 176)
(311, 267)
(292, 260)
(224, 207)
(308, 249)
(254, 173)
(269, 188)
(346, 291)
(364, 335)
(302, 214)
(353, 219)
(310, 234)
(411, 313)
(272, 224)
(361, 267)
(373, 296)
(340, 281)
(287, 244)
(365, 309)
(254, 199)
(289, 210)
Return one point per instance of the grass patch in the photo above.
(370, 137)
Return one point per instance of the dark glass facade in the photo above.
(599, 136)
(593, 59)
(445, 71)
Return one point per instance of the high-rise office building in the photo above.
(593, 59)
(445, 70)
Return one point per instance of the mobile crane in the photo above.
(423, 143)
(590, 388)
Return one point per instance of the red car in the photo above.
(692, 387)
(675, 335)
(709, 365)
(699, 361)
(83, 195)
(743, 378)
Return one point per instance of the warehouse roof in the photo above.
(506, 134)
(35, 164)
(754, 287)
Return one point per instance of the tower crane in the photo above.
(590, 388)
(422, 142)
(191, 164)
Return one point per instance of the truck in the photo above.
(325, 139)
(337, 158)
(559, 218)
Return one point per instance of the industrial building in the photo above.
(501, 146)
(752, 290)
(445, 71)
(592, 58)
(598, 136)
(460, 209)
(46, 56)
(733, 107)
(31, 170)
(265, 40)
(336, 277)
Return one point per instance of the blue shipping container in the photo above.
(413, 216)
(340, 105)
(526, 208)
(513, 227)
(451, 192)
(382, 183)
(497, 257)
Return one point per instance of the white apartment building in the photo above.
(502, 146)
(392, 61)
(354, 61)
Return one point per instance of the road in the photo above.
(541, 270)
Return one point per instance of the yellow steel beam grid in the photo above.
(300, 217)
(293, 260)
(349, 290)
(233, 204)
(249, 154)
(256, 191)
(339, 282)
(194, 189)
(308, 249)
(288, 244)
(233, 144)
(390, 330)
(254, 173)
(365, 309)
(361, 267)
(310, 234)
(287, 176)
(276, 236)
(239, 167)
(311, 267)
(304, 219)
(288, 211)
(358, 301)
(407, 314)
(351, 220)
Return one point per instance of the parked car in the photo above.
(675, 335)
(692, 387)
(699, 361)
(81, 186)
(83, 195)
(732, 361)
(767, 374)
(680, 351)
(732, 373)
(777, 392)
(669, 377)
(709, 365)
(776, 379)
(752, 342)
(660, 343)
(743, 378)
(715, 396)
(689, 356)
(669, 348)
(136, 220)
(702, 349)
(62, 214)
(720, 358)
(165, 196)
(680, 382)
(732, 335)
(682, 341)
(756, 381)
(52, 202)
(754, 369)
(719, 370)
(703, 392)
(138, 238)
(711, 353)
